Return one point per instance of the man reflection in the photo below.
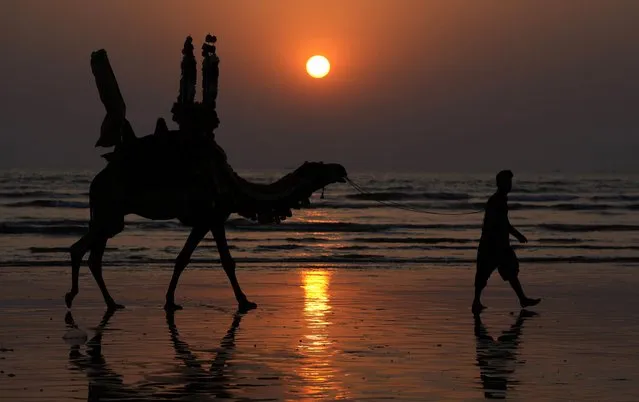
(497, 359)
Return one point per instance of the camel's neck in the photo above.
(270, 202)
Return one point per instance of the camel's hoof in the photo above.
(68, 319)
(246, 306)
(114, 306)
(172, 307)
(527, 314)
(68, 299)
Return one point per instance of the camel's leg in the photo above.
(95, 265)
(183, 259)
(77, 251)
(229, 266)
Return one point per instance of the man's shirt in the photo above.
(496, 228)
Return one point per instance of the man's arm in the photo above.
(511, 229)
(520, 237)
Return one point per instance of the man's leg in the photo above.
(509, 270)
(523, 300)
(516, 285)
(481, 280)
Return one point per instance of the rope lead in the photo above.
(397, 205)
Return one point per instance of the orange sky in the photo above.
(415, 84)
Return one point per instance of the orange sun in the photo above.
(318, 66)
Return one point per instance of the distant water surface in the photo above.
(586, 219)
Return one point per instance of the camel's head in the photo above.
(320, 174)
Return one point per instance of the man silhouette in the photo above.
(494, 251)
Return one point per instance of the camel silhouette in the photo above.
(176, 175)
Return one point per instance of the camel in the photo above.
(179, 175)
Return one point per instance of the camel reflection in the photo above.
(104, 383)
(198, 380)
(497, 359)
(107, 385)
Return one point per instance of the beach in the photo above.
(321, 332)
(358, 299)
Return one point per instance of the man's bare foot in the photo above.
(478, 308)
(246, 305)
(529, 302)
(114, 306)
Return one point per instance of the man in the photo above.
(494, 250)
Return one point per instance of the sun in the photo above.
(318, 66)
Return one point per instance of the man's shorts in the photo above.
(503, 259)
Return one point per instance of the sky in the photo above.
(415, 85)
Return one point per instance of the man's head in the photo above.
(504, 181)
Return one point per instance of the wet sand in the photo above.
(352, 334)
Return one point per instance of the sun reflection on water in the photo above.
(318, 373)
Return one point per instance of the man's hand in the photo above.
(522, 238)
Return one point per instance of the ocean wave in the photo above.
(372, 204)
(545, 182)
(569, 207)
(59, 227)
(275, 247)
(36, 250)
(346, 227)
(569, 240)
(47, 204)
(542, 198)
(560, 227)
(353, 261)
(522, 203)
(35, 194)
(582, 207)
(75, 227)
(398, 196)
(419, 240)
(69, 227)
(400, 188)
(313, 227)
(56, 250)
(351, 248)
(615, 197)
(466, 206)
(549, 189)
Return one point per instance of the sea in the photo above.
(388, 220)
